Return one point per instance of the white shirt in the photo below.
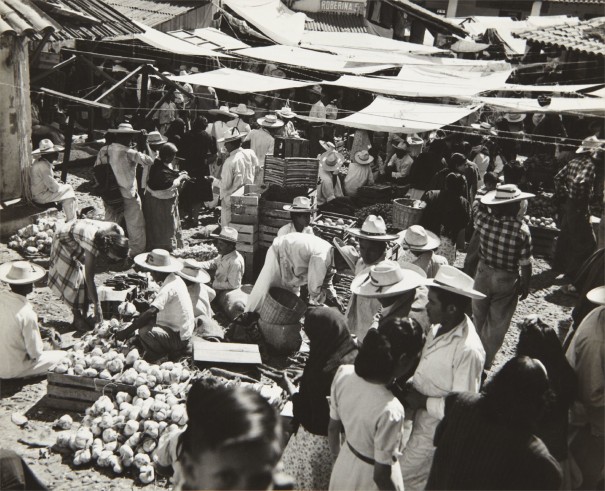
(288, 228)
(402, 165)
(327, 190)
(123, 161)
(201, 295)
(358, 175)
(240, 124)
(482, 162)
(304, 259)
(229, 271)
(174, 305)
(262, 143)
(21, 340)
(361, 310)
(318, 110)
(451, 362)
(237, 170)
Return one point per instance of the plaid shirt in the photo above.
(505, 242)
(576, 180)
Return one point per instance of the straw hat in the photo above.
(316, 89)
(484, 126)
(417, 238)
(451, 279)
(192, 271)
(286, 112)
(412, 267)
(386, 279)
(348, 252)
(156, 138)
(363, 157)
(300, 204)
(124, 129)
(242, 110)
(47, 146)
(227, 233)
(373, 228)
(588, 144)
(414, 140)
(331, 160)
(515, 117)
(401, 145)
(233, 135)
(222, 111)
(195, 69)
(327, 146)
(597, 295)
(159, 260)
(270, 121)
(506, 193)
(21, 272)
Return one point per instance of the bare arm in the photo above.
(144, 319)
(91, 287)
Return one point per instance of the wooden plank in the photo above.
(243, 228)
(108, 57)
(244, 209)
(268, 229)
(75, 380)
(265, 243)
(246, 247)
(274, 205)
(72, 98)
(243, 219)
(247, 238)
(274, 222)
(119, 83)
(208, 352)
(79, 394)
(66, 404)
(269, 213)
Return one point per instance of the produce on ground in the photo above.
(542, 205)
(200, 252)
(34, 239)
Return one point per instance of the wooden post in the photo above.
(68, 140)
(144, 100)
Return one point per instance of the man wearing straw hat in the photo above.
(300, 216)
(22, 352)
(360, 173)
(329, 187)
(262, 141)
(451, 361)
(165, 328)
(422, 244)
(44, 187)
(373, 240)
(240, 123)
(505, 248)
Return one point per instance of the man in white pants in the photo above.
(21, 351)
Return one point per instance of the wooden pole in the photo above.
(144, 101)
(68, 140)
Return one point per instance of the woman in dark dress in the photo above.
(198, 149)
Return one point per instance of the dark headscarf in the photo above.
(331, 345)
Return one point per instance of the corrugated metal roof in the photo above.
(586, 37)
(593, 2)
(21, 18)
(334, 22)
(148, 12)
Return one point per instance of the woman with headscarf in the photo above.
(447, 214)
(307, 456)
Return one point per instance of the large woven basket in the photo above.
(282, 307)
(404, 214)
(282, 338)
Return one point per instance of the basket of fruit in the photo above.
(544, 233)
(330, 225)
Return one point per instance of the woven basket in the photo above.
(282, 338)
(404, 214)
(282, 307)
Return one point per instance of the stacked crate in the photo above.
(244, 219)
(272, 218)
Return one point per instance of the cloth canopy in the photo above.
(310, 59)
(239, 82)
(166, 42)
(588, 106)
(449, 65)
(555, 89)
(272, 18)
(394, 116)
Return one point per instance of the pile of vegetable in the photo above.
(199, 252)
(541, 222)
(35, 239)
(122, 435)
(542, 206)
(385, 210)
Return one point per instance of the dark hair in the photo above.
(200, 124)
(517, 394)
(167, 150)
(113, 242)
(454, 183)
(490, 178)
(446, 298)
(221, 416)
(513, 173)
(382, 348)
(457, 159)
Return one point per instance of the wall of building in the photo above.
(495, 8)
(581, 10)
(337, 6)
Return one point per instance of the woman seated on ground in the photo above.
(307, 456)
(73, 255)
(486, 440)
(232, 440)
(160, 206)
(368, 413)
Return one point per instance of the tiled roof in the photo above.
(23, 19)
(334, 22)
(86, 19)
(148, 12)
(586, 37)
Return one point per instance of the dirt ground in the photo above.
(27, 398)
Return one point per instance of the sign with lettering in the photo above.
(343, 7)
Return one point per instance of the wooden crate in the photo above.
(295, 171)
(329, 232)
(241, 247)
(236, 218)
(544, 241)
(79, 393)
(291, 147)
(245, 204)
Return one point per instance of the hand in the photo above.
(523, 289)
(413, 399)
(289, 386)
(122, 335)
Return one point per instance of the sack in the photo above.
(108, 188)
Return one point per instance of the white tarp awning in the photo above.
(447, 65)
(313, 60)
(555, 89)
(272, 18)
(209, 38)
(239, 82)
(166, 42)
(393, 116)
(586, 106)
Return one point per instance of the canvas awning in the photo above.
(555, 89)
(313, 60)
(589, 106)
(394, 116)
(447, 65)
(272, 18)
(239, 82)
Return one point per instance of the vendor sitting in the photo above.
(360, 173)
(300, 214)
(422, 244)
(22, 352)
(44, 187)
(329, 184)
(165, 328)
(400, 164)
(201, 295)
(228, 269)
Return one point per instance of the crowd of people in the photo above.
(399, 390)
